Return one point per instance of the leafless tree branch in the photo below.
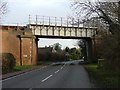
(106, 11)
(3, 8)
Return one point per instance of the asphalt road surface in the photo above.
(61, 76)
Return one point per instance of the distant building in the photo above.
(50, 54)
(46, 50)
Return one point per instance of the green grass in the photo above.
(19, 68)
(103, 78)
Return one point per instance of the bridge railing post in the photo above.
(49, 21)
(43, 20)
(67, 21)
(29, 19)
(61, 21)
(36, 20)
(55, 21)
(72, 22)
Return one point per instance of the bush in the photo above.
(109, 49)
(8, 62)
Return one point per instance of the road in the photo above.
(61, 76)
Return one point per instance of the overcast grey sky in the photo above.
(19, 10)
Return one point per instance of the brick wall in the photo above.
(29, 50)
(11, 44)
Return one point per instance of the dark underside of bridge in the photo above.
(88, 44)
(62, 37)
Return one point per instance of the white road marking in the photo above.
(46, 78)
(61, 67)
(44, 67)
(22, 74)
(57, 71)
(30, 89)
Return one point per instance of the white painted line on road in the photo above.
(44, 67)
(13, 77)
(61, 67)
(30, 89)
(57, 71)
(22, 74)
(46, 78)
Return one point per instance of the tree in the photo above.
(105, 11)
(82, 45)
(67, 49)
(57, 47)
(108, 13)
(3, 8)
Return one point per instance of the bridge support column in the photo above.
(89, 52)
(36, 42)
(28, 50)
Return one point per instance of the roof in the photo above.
(45, 49)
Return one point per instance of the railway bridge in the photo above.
(51, 27)
(63, 28)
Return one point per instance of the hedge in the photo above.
(8, 62)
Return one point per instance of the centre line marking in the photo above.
(30, 89)
(57, 71)
(61, 67)
(46, 78)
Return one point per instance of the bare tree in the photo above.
(3, 8)
(105, 11)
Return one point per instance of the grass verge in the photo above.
(19, 68)
(103, 78)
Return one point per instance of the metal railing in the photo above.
(55, 21)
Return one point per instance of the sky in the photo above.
(19, 10)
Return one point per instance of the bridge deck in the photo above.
(63, 31)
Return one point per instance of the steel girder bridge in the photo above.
(60, 27)
(70, 28)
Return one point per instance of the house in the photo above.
(50, 54)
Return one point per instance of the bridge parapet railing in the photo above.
(60, 26)
(54, 21)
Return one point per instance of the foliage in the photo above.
(103, 78)
(107, 12)
(67, 49)
(49, 56)
(3, 8)
(57, 47)
(19, 68)
(81, 44)
(74, 53)
(110, 45)
(8, 62)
